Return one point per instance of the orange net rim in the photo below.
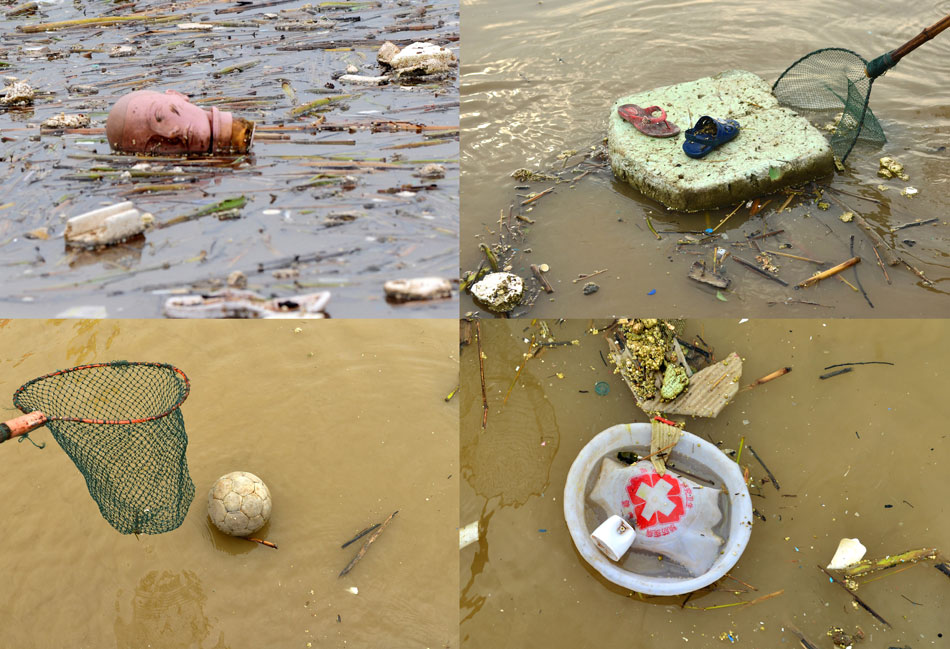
(116, 422)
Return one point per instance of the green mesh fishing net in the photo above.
(839, 80)
(121, 424)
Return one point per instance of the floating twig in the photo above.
(855, 597)
(481, 373)
(451, 394)
(360, 535)
(858, 279)
(545, 284)
(652, 229)
(767, 234)
(769, 377)
(262, 542)
(880, 263)
(835, 373)
(369, 541)
(763, 273)
(858, 363)
(537, 196)
(814, 279)
(913, 224)
(582, 276)
(767, 472)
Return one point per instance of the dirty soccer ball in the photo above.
(239, 503)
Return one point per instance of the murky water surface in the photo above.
(333, 193)
(344, 421)
(539, 78)
(861, 454)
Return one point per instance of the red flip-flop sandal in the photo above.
(642, 119)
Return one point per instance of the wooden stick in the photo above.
(769, 473)
(481, 372)
(581, 278)
(541, 279)
(814, 279)
(891, 257)
(764, 273)
(359, 555)
(537, 196)
(856, 598)
(880, 263)
(360, 535)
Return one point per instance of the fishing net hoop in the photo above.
(121, 425)
(21, 393)
(857, 121)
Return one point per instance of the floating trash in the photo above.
(153, 122)
(602, 388)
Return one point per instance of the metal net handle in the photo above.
(31, 421)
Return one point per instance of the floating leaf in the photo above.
(774, 173)
(720, 296)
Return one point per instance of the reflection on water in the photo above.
(538, 81)
(515, 461)
(345, 420)
(166, 610)
(856, 455)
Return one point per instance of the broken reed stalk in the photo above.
(306, 108)
(492, 259)
(729, 216)
(785, 254)
(857, 599)
(481, 373)
(652, 229)
(763, 273)
(867, 566)
(541, 279)
(814, 279)
(98, 22)
(369, 541)
(769, 377)
(662, 450)
(360, 535)
(749, 603)
(223, 206)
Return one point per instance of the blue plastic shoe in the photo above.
(709, 133)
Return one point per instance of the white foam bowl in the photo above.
(698, 450)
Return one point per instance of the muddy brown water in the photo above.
(538, 80)
(353, 228)
(857, 455)
(345, 422)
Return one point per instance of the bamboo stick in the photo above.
(814, 279)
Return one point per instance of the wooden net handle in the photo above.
(22, 425)
(921, 38)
